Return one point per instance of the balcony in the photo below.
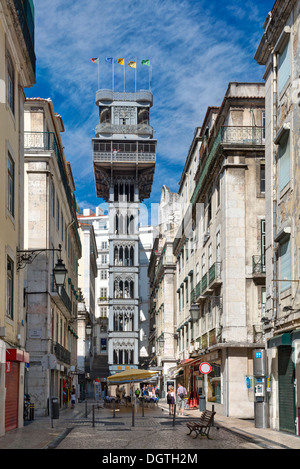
(61, 298)
(46, 141)
(62, 354)
(259, 269)
(26, 20)
(209, 281)
(214, 275)
(227, 135)
(138, 129)
(123, 152)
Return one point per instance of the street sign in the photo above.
(205, 368)
(49, 362)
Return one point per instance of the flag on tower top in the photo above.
(120, 61)
(146, 62)
(95, 60)
(132, 64)
(109, 60)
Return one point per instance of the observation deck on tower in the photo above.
(123, 143)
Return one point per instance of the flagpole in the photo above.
(135, 75)
(113, 75)
(98, 74)
(124, 72)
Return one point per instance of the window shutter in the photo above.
(285, 264)
(284, 66)
(284, 156)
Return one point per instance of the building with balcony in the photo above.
(124, 155)
(99, 221)
(86, 319)
(279, 52)
(17, 72)
(220, 312)
(161, 273)
(51, 232)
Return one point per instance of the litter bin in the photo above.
(202, 403)
(55, 407)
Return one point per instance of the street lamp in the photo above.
(194, 310)
(60, 273)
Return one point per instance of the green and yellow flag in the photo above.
(120, 61)
(132, 64)
(146, 62)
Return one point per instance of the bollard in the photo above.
(133, 415)
(174, 415)
(213, 422)
(31, 411)
(143, 410)
(114, 408)
(86, 414)
(93, 415)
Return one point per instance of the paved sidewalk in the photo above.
(44, 434)
(246, 429)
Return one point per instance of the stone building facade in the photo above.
(17, 71)
(220, 245)
(279, 53)
(51, 231)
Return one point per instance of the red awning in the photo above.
(16, 355)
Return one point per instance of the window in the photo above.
(10, 85)
(104, 244)
(103, 293)
(52, 199)
(103, 274)
(284, 66)
(10, 185)
(263, 240)
(284, 160)
(262, 178)
(10, 288)
(104, 259)
(263, 124)
(218, 247)
(62, 226)
(57, 213)
(285, 264)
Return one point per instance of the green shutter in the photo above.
(286, 389)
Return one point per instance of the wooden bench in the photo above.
(202, 426)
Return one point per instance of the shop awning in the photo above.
(130, 376)
(282, 339)
(173, 372)
(17, 355)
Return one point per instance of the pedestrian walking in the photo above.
(171, 400)
(181, 392)
(73, 397)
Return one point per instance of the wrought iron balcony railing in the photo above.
(235, 135)
(258, 265)
(61, 353)
(46, 141)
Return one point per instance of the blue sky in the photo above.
(196, 47)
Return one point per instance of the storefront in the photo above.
(14, 385)
(199, 384)
(284, 350)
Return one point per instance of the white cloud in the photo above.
(194, 50)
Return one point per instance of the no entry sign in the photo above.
(205, 368)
